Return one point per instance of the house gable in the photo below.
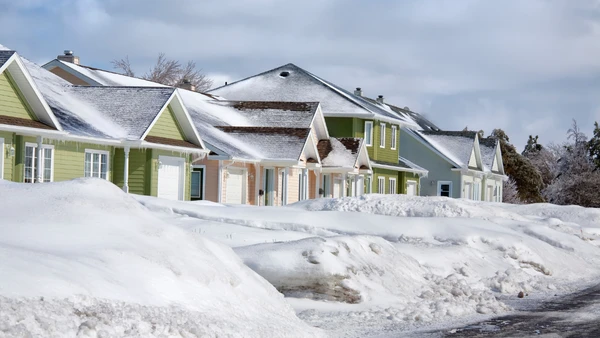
(166, 126)
(12, 103)
(473, 159)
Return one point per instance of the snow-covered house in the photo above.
(140, 138)
(347, 115)
(456, 166)
(260, 152)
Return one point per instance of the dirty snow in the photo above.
(378, 263)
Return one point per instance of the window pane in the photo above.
(368, 133)
(195, 184)
(104, 166)
(29, 159)
(95, 165)
(88, 165)
(47, 165)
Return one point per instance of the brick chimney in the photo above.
(380, 99)
(358, 91)
(187, 84)
(69, 57)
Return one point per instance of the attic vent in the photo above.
(284, 74)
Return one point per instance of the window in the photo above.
(31, 163)
(382, 135)
(394, 137)
(392, 186)
(381, 185)
(326, 185)
(96, 164)
(369, 133)
(197, 182)
(445, 188)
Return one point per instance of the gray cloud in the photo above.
(528, 67)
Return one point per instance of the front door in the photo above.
(269, 186)
(411, 188)
(468, 193)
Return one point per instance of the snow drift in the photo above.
(82, 256)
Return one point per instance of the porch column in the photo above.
(126, 171)
(220, 182)
(284, 186)
(38, 154)
(304, 184)
(344, 186)
(256, 183)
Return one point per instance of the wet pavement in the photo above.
(574, 315)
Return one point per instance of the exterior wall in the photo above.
(9, 161)
(211, 184)
(69, 159)
(403, 177)
(11, 102)
(385, 154)
(312, 184)
(293, 185)
(139, 165)
(496, 184)
(68, 76)
(167, 126)
(377, 172)
(341, 126)
(250, 180)
(439, 169)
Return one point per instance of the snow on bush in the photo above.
(82, 256)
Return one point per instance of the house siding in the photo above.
(211, 184)
(138, 164)
(167, 126)
(404, 177)
(439, 168)
(69, 159)
(377, 172)
(9, 161)
(11, 101)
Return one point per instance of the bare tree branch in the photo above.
(124, 66)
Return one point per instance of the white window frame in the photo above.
(439, 187)
(2, 153)
(35, 160)
(382, 135)
(392, 186)
(380, 184)
(99, 152)
(369, 138)
(203, 187)
(394, 137)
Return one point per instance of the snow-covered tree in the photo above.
(594, 146)
(510, 194)
(519, 168)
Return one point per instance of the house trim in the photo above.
(203, 167)
(439, 187)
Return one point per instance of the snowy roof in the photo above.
(274, 114)
(5, 55)
(101, 77)
(272, 143)
(487, 147)
(292, 83)
(406, 113)
(410, 165)
(457, 146)
(339, 152)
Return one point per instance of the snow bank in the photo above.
(102, 262)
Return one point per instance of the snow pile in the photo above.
(339, 156)
(92, 259)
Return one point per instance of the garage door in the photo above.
(411, 188)
(234, 190)
(170, 177)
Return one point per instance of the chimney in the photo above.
(358, 91)
(69, 57)
(187, 84)
(406, 108)
(380, 99)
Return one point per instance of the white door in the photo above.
(337, 188)
(411, 188)
(170, 177)
(234, 186)
(360, 185)
(468, 193)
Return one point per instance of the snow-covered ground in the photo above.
(85, 258)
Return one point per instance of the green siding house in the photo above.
(141, 139)
(347, 115)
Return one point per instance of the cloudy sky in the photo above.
(526, 66)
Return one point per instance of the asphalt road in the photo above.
(574, 315)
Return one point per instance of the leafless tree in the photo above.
(168, 72)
